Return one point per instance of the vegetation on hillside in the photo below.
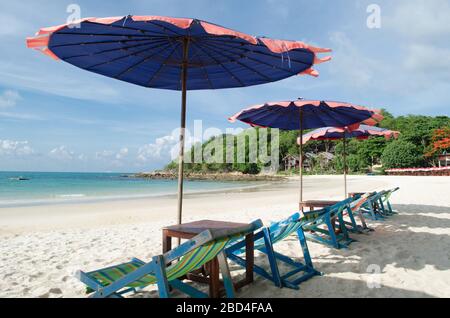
(422, 139)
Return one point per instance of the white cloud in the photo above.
(62, 153)
(15, 148)
(349, 63)
(423, 67)
(420, 19)
(122, 153)
(166, 148)
(19, 116)
(104, 155)
(9, 98)
(112, 158)
(162, 147)
(428, 59)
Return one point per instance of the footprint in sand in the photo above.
(66, 278)
(55, 291)
(402, 255)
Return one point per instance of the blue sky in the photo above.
(55, 117)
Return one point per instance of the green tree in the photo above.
(401, 154)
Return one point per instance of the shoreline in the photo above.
(43, 246)
(70, 200)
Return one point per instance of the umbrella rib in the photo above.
(264, 63)
(130, 28)
(163, 27)
(110, 34)
(258, 117)
(275, 55)
(122, 57)
(115, 49)
(97, 42)
(327, 115)
(316, 111)
(204, 69)
(156, 74)
(243, 65)
(146, 59)
(223, 66)
(340, 110)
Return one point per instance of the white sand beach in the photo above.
(42, 246)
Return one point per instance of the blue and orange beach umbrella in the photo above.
(176, 54)
(306, 114)
(334, 133)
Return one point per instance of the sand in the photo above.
(41, 247)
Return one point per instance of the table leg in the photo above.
(250, 257)
(214, 279)
(166, 242)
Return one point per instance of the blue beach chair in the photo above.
(324, 229)
(374, 208)
(168, 270)
(385, 201)
(267, 238)
(355, 208)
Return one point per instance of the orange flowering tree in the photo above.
(440, 142)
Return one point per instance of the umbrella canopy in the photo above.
(334, 133)
(175, 54)
(150, 51)
(306, 114)
(362, 132)
(315, 113)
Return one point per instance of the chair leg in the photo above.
(272, 259)
(363, 221)
(305, 249)
(390, 208)
(161, 277)
(344, 230)
(352, 220)
(227, 281)
(382, 208)
(370, 207)
(332, 233)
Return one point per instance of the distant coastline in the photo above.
(193, 176)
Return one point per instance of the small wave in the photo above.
(80, 195)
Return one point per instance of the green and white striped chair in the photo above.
(168, 269)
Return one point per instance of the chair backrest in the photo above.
(280, 230)
(359, 202)
(331, 210)
(388, 194)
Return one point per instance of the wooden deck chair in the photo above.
(374, 208)
(266, 239)
(167, 271)
(324, 229)
(354, 208)
(386, 202)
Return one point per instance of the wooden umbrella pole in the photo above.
(301, 157)
(182, 128)
(345, 166)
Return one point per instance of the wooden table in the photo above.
(210, 274)
(314, 204)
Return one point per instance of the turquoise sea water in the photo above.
(44, 188)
